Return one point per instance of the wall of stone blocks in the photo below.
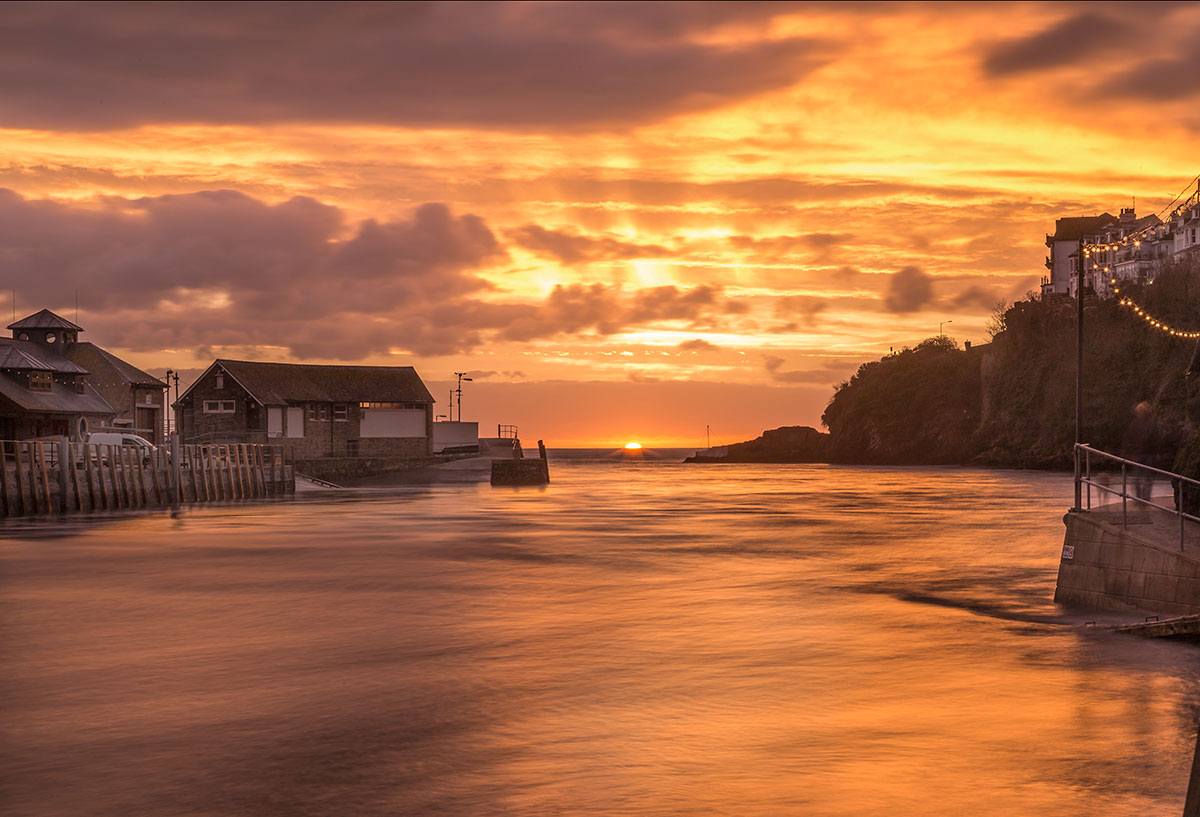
(1104, 566)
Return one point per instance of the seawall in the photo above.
(1136, 568)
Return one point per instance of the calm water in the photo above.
(636, 638)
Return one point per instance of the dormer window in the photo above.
(41, 381)
(23, 336)
(51, 337)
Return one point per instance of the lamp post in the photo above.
(940, 325)
(461, 377)
(172, 374)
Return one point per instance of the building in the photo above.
(1064, 246)
(1125, 249)
(53, 385)
(316, 411)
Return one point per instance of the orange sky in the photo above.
(628, 221)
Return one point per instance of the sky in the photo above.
(624, 221)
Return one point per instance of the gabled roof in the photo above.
(24, 354)
(1072, 229)
(96, 359)
(45, 320)
(277, 384)
(59, 400)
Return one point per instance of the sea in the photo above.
(638, 637)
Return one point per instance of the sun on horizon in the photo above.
(633, 446)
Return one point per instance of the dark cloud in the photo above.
(1162, 78)
(908, 290)
(819, 242)
(774, 366)
(606, 310)
(698, 345)
(974, 296)
(574, 248)
(112, 65)
(807, 307)
(1068, 41)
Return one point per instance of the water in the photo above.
(636, 638)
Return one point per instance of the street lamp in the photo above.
(461, 377)
(940, 325)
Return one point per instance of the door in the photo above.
(295, 421)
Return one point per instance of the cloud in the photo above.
(783, 244)
(413, 64)
(774, 366)
(1068, 41)
(908, 290)
(698, 345)
(607, 309)
(573, 248)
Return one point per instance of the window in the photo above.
(51, 337)
(351, 448)
(41, 381)
(410, 406)
(341, 413)
(323, 412)
(312, 411)
(220, 380)
(220, 406)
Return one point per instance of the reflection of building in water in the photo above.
(317, 411)
(53, 384)
(1120, 249)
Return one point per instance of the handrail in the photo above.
(1083, 477)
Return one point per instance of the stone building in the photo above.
(51, 384)
(315, 411)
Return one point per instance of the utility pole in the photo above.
(461, 377)
(1079, 279)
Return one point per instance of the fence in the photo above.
(58, 476)
(1186, 491)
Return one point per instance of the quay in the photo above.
(42, 477)
(1127, 552)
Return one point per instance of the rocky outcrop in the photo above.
(787, 444)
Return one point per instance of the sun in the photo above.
(633, 446)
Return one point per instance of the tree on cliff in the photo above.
(919, 406)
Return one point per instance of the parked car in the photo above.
(123, 438)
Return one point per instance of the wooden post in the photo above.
(269, 454)
(8, 503)
(20, 477)
(41, 449)
(137, 458)
(156, 464)
(1191, 803)
(231, 471)
(64, 499)
(99, 452)
(75, 478)
(117, 498)
(175, 469)
(203, 450)
(241, 484)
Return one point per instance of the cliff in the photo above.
(787, 444)
(1012, 402)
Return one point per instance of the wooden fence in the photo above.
(48, 476)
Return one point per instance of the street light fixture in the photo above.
(940, 325)
(461, 377)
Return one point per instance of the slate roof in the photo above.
(1072, 229)
(45, 319)
(277, 384)
(59, 400)
(94, 359)
(25, 354)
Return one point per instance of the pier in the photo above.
(43, 477)
(1127, 551)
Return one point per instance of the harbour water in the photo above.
(639, 637)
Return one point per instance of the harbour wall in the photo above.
(1105, 566)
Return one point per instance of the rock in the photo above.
(786, 444)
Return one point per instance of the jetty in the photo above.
(44, 477)
(1128, 549)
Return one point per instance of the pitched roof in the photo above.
(24, 354)
(95, 359)
(281, 383)
(1072, 229)
(59, 400)
(45, 320)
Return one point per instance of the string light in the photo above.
(1151, 320)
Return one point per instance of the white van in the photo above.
(122, 438)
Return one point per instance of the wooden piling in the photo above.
(20, 478)
(48, 507)
(8, 503)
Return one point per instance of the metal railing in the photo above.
(1140, 475)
